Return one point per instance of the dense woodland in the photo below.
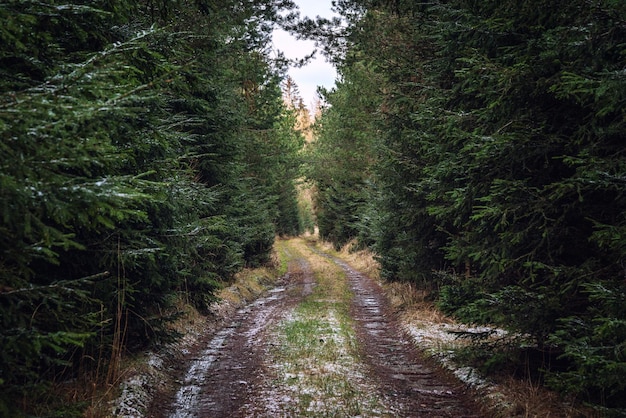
(147, 155)
(479, 148)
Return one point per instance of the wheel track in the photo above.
(224, 377)
(403, 375)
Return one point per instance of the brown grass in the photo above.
(362, 260)
(510, 397)
(529, 400)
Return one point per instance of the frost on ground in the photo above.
(153, 371)
(318, 373)
(440, 340)
(137, 391)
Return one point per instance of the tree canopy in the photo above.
(146, 156)
(490, 144)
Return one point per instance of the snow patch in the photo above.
(440, 341)
(138, 390)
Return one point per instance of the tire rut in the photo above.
(223, 375)
(228, 374)
(416, 388)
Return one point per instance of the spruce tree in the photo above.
(127, 180)
(499, 176)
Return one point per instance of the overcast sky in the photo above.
(318, 72)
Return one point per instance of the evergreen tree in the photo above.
(129, 177)
(499, 132)
(342, 156)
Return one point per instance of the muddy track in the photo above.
(225, 374)
(225, 370)
(418, 389)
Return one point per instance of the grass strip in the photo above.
(318, 371)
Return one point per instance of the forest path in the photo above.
(324, 344)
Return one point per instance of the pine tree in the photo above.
(128, 174)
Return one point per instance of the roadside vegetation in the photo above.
(316, 359)
(477, 148)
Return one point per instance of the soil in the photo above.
(221, 376)
(418, 387)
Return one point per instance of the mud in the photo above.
(225, 370)
(223, 375)
(416, 388)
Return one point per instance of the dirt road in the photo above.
(322, 344)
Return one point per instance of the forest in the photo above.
(479, 149)
(147, 155)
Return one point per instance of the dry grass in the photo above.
(190, 317)
(424, 311)
(242, 291)
(328, 276)
(509, 397)
(525, 399)
(362, 260)
(190, 323)
(146, 376)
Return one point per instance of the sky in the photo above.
(318, 72)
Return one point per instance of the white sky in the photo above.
(318, 72)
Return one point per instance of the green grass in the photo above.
(318, 371)
(284, 255)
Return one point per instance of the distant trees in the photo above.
(340, 159)
(492, 146)
(145, 155)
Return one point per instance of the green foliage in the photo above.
(498, 138)
(286, 160)
(595, 345)
(39, 328)
(142, 150)
(341, 159)
(502, 357)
